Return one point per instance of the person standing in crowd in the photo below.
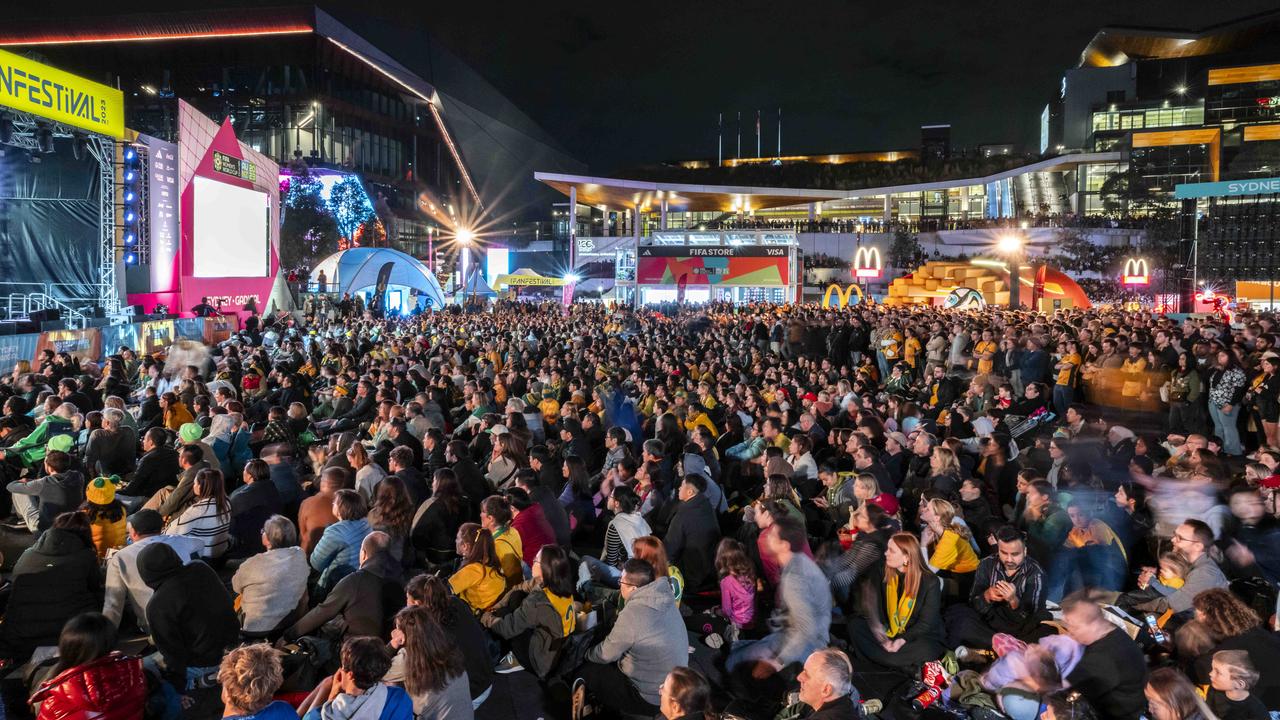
(625, 672)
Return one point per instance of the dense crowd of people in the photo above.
(919, 225)
(758, 511)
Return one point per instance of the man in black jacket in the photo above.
(400, 463)
(1007, 597)
(112, 449)
(693, 535)
(1112, 672)
(826, 685)
(366, 600)
(157, 468)
(474, 484)
(172, 501)
(362, 410)
(190, 614)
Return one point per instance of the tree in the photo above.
(309, 233)
(904, 250)
(350, 206)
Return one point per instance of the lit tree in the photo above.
(350, 206)
(308, 233)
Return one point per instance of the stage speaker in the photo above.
(48, 325)
(49, 314)
(26, 326)
(8, 328)
(95, 322)
(97, 311)
(135, 310)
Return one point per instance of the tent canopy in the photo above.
(356, 269)
(475, 286)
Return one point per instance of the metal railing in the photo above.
(20, 306)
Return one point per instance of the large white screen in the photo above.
(230, 234)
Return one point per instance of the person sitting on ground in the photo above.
(125, 587)
(112, 448)
(802, 618)
(38, 501)
(172, 500)
(1232, 677)
(903, 626)
(536, 616)
(316, 512)
(625, 671)
(479, 581)
(91, 678)
(435, 524)
(54, 580)
(462, 628)
(1007, 596)
(208, 517)
(251, 504)
(337, 553)
(826, 685)
(250, 676)
(106, 515)
(1192, 539)
(157, 468)
(272, 586)
(190, 618)
(366, 599)
(495, 516)
(356, 690)
(1112, 671)
(685, 693)
(530, 521)
(692, 536)
(429, 667)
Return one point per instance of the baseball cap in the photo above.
(886, 502)
(498, 429)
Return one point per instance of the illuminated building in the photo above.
(298, 80)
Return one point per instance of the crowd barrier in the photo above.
(93, 344)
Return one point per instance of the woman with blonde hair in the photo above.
(367, 472)
(902, 624)
(944, 471)
(948, 545)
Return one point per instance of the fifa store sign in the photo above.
(35, 88)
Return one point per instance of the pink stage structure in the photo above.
(228, 247)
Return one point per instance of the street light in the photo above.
(1011, 245)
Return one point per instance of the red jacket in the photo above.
(534, 531)
(109, 688)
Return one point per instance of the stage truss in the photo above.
(26, 130)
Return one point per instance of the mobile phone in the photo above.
(1156, 633)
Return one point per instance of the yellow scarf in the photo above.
(898, 609)
(563, 606)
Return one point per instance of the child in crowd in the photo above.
(737, 586)
(106, 514)
(356, 691)
(1231, 678)
(1170, 577)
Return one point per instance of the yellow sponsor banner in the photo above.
(36, 88)
(528, 281)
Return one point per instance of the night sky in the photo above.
(623, 84)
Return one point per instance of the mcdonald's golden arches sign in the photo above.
(866, 263)
(842, 296)
(1136, 272)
